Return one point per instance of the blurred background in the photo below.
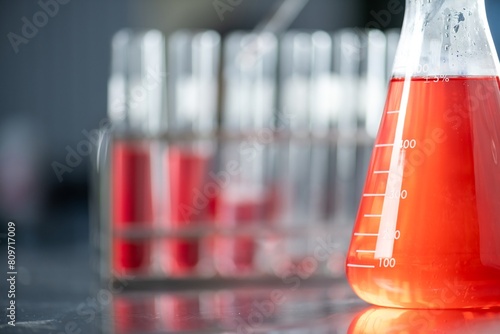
(55, 87)
(54, 92)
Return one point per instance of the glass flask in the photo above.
(427, 233)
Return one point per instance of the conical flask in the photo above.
(427, 233)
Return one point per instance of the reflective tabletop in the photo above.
(306, 310)
(56, 293)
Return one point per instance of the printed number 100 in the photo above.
(388, 262)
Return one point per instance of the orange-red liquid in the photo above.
(447, 254)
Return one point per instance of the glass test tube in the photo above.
(306, 107)
(135, 101)
(392, 36)
(346, 53)
(249, 82)
(372, 92)
(359, 63)
(189, 194)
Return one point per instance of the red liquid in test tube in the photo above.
(132, 204)
(193, 69)
(235, 252)
(188, 207)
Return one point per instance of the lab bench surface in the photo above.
(56, 295)
(245, 310)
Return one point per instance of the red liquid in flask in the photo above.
(444, 249)
(132, 204)
(188, 207)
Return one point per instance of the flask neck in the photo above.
(445, 37)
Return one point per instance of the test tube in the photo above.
(249, 81)
(360, 63)
(135, 101)
(321, 109)
(193, 69)
(373, 83)
(306, 106)
(373, 79)
(346, 56)
(392, 37)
